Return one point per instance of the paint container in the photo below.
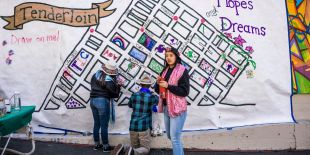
(7, 105)
(17, 101)
(162, 90)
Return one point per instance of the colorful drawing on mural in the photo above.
(8, 60)
(110, 54)
(4, 42)
(147, 41)
(137, 54)
(230, 68)
(74, 104)
(299, 37)
(160, 48)
(120, 41)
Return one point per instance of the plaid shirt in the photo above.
(141, 104)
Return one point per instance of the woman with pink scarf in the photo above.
(174, 79)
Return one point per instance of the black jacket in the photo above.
(109, 90)
(183, 84)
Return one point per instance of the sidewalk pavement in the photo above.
(51, 148)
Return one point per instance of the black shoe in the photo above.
(107, 148)
(129, 151)
(98, 147)
(117, 149)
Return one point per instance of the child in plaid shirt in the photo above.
(141, 117)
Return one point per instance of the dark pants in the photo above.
(101, 114)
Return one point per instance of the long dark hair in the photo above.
(176, 53)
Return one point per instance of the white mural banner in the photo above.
(236, 52)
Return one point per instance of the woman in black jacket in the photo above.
(175, 79)
(104, 88)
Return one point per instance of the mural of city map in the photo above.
(230, 84)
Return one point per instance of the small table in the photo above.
(14, 121)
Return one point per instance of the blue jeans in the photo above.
(174, 126)
(101, 113)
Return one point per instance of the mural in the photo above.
(231, 71)
(299, 37)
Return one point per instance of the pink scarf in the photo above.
(176, 104)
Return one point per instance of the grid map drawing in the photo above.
(135, 43)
